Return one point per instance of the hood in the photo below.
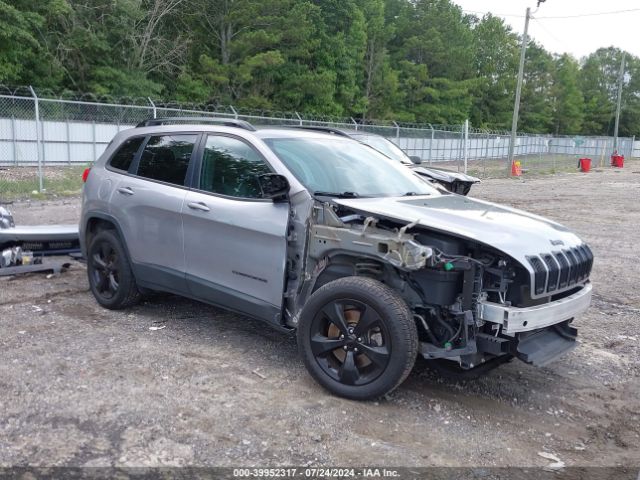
(445, 175)
(513, 232)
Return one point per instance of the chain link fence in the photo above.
(47, 141)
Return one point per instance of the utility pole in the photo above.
(516, 105)
(620, 81)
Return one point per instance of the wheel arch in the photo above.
(96, 222)
(345, 264)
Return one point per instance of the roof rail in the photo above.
(227, 122)
(333, 130)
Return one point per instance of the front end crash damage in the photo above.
(455, 182)
(469, 300)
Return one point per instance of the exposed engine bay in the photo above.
(450, 283)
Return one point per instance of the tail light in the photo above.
(85, 174)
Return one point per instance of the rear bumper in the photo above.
(515, 320)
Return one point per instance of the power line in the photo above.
(494, 14)
(615, 12)
(592, 14)
(541, 25)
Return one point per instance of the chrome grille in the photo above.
(561, 269)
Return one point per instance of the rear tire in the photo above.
(357, 338)
(110, 277)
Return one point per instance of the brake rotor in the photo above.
(352, 317)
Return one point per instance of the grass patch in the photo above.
(20, 183)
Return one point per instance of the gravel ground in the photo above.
(85, 386)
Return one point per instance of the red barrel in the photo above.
(617, 161)
(585, 164)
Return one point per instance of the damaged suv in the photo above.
(319, 234)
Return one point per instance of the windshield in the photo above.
(342, 166)
(383, 145)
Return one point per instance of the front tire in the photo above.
(110, 277)
(357, 338)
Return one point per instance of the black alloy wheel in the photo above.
(357, 338)
(110, 276)
(105, 270)
(350, 342)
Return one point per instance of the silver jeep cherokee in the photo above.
(311, 232)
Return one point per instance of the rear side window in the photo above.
(166, 158)
(126, 153)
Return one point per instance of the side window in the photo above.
(166, 158)
(124, 155)
(231, 167)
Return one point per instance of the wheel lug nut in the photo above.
(355, 349)
(345, 347)
(359, 339)
(341, 337)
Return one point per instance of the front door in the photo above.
(234, 241)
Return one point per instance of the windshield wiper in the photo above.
(412, 194)
(337, 195)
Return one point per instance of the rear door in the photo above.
(147, 204)
(234, 241)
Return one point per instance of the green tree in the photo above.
(430, 51)
(435, 33)
(379, 80)
(24, 58)
(630, 112)
(403, 60)
(568, 107)
(344, 42)
(599, 84)
(496, 64)
(536, 109)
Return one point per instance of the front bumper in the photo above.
(515, 320)
(42, 239)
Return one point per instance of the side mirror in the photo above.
(415, 159)
(274, 186)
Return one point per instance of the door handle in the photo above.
(125, 191)
(198, 206)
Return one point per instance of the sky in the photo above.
(578, 36)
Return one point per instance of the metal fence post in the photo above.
(235, 113)
(66, 123)
(539, 148)
(355, 123)
(93, 139)
(460, 147)
(38, 143)
(485, 158)
(14, 146)
(466, 144)
(153, 105)
(431, 143)
(397, 132)
(299, 118)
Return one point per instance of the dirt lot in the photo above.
(80, 385)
